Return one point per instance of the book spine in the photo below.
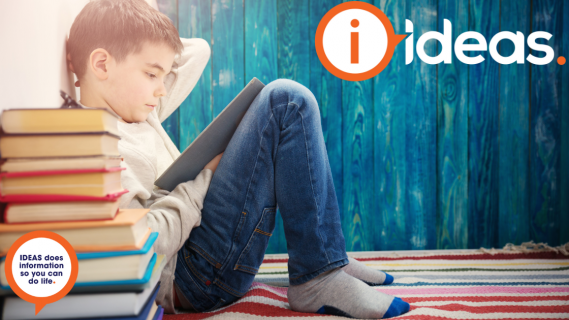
(6, 213)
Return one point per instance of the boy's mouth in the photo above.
(151, 106)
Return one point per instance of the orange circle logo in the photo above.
(41, 267)
(355, 41)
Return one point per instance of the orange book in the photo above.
(128, 231)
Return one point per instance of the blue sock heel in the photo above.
(388, 278)
(397, 307)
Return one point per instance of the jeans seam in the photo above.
(257, 159)
(263, 232)
(202, 253)
(252, 238)
(311, 183)
(228, 289)
(252, 270)
(241, 223)
(195, 271)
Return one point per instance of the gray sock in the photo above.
(368, 275)
(335, 292)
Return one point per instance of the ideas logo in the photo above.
(355, 41)
(370, 46)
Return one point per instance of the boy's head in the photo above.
(121, 51)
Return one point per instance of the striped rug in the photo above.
(440, 284)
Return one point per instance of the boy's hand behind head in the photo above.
(121, 52)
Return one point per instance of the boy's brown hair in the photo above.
(120, 27)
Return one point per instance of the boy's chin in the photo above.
(137, 119)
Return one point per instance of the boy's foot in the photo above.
(366, 274)
(337, 293)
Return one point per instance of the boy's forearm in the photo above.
(186, 71)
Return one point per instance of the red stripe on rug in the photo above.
(498, 308)
(264, 293)
(277, 289)
(498, 256)
(469, 290)
(487, 299)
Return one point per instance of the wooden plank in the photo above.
(293, 42)
(261, 62)
(564, 211)
(389, 141)
(483, 97)
(421, 131)
(227, 52)
(194, 21)
(171, 124)
(261, 40)
(452, 136)
(358, 216)
(545, 137)
(514, 124)
(327, 89)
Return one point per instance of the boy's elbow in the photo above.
(198, 46)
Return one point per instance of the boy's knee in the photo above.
(295, 92)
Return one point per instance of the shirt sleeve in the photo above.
(185, 73)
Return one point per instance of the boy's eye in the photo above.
(151, 75)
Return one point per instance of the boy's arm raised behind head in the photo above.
(186, 71)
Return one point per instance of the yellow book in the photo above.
(60, 163)
(58, 120)
(59, 145)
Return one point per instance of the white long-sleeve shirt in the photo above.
(148, 150)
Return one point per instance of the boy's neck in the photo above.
(94, 101)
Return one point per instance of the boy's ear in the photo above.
(98, 62)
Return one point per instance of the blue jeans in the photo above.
(276, 156)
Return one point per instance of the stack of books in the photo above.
(60, 172)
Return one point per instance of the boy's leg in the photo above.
(277, 155)
(278, 139)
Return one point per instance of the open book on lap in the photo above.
(211, 141)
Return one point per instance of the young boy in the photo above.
(129, 59)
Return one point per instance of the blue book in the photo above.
(159, 313)
(143, 315)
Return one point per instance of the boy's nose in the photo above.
(161, 91)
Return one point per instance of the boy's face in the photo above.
(135, 84)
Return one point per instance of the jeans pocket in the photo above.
(252, 255)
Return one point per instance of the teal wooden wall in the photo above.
(423, 156)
